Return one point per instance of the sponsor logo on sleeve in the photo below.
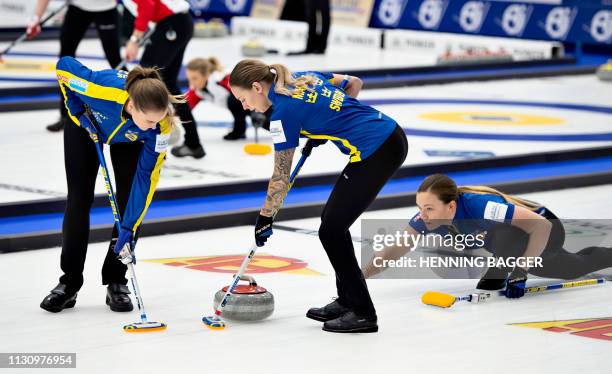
(78, 85)
(162, 142)
(277, 132)
(495, 211)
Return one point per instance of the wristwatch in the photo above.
(135, 39)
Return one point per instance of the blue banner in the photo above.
(573, 21)
(221, 8)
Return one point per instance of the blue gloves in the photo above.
(515, 284)
(124, 247)
(263, 229)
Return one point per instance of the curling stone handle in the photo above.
(249, 279)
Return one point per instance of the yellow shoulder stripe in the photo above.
(93, 90)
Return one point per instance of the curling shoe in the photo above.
(184, 151)
(330, 311)
(351, 322)
(117, 298)
(59, 299)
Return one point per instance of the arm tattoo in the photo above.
(279, 183)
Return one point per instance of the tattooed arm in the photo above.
(279, 183)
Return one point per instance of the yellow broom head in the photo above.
(442, 300)
(257, 149)
(144, 327)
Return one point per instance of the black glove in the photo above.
(515, 284)
(263, 229)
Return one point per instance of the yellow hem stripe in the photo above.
(355, 154)
(154, 180)
(76, 120)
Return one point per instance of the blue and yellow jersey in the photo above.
(103, 92)
(326, 112)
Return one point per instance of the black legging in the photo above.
(168, 44)
(355, 189)
(239, 113)
(319, 19)
(557, 262)
(81, 161)
(76, 23)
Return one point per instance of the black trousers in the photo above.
(557, 262)
(76, 23)
(81, 161)
(166, 51)
(240, 114)
(319, 19)
(356, 188)
(317, 14)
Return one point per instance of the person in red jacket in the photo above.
(173, 31)
(207, 81)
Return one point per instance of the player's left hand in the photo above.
(263, 229)
(515, 283)
(124, 247)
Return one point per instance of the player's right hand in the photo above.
(33, 27)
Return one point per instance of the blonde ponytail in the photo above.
(204, 66)
(250, 71)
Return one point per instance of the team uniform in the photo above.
(173, 31)
(217, 91)
(376, 147)
(80, 14)
(137, 158)
(491, 215)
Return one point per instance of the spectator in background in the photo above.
(317, 14)
(173, 31)
(80, 14)
(208, 82)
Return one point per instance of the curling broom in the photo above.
(215, 321)
(144, 325)
(444, 300)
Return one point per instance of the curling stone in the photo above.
(218, 28)
(253, 48)
(247, 302)
(604, 72)
(202, 30)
